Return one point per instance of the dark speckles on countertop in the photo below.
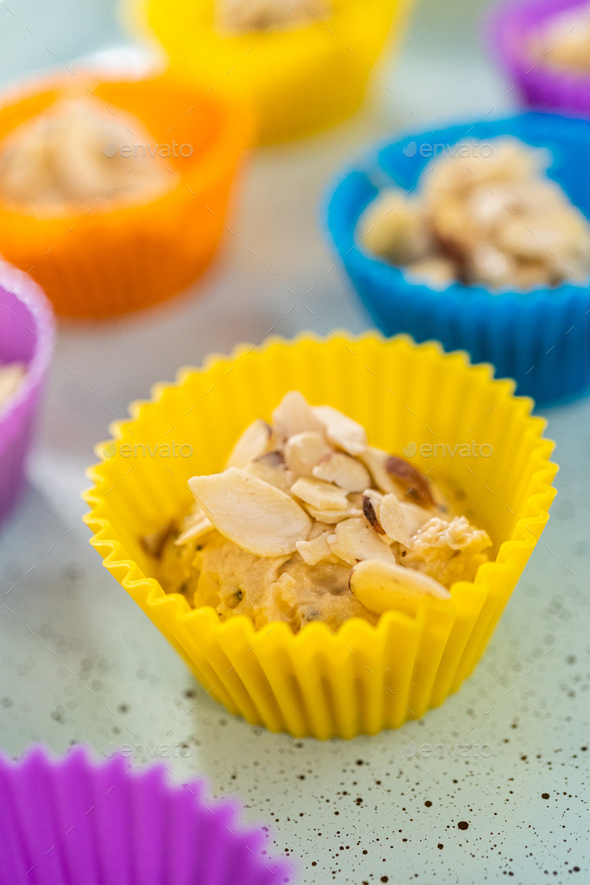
(95, 669)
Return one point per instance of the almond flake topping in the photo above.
(382, 586)
(344, 471)
(393, 521)
(252, 444)
(194, 525)
(354, 540)
(341, 430)
(250, 512)
(376, 459)
(331, 517)
(316, 550)
(371, 504)
(320, 494)
(310, 485)
(415, 516)
(294, 415)
(272, 469)
(304, 450)
(410, 480)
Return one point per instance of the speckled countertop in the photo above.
(505, 792)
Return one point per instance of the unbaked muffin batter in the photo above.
(79, 153)
(563, 41)
(306, 519)
(234, 17)
(484, 215)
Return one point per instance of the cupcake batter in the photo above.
(278, 534)
(70, 155)
(496, 221)
(244, 16)
(564, 41)
(11, 376)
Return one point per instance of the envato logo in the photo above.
(145, 150)
(440, 751)
(144, 450)
(465, 149)
(172, 750)
(462, 450)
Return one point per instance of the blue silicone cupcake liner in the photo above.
(509, 28)
(539, 338)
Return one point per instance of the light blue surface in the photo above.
(35, 34)
(80, 661)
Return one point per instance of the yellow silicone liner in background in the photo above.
(299, 81)
(363, 678)
(97, 262)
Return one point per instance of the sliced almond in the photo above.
(415, 516)
(321, 495)
(344, 471)
(250, 512)
(341, 430)
(410, 480)
(354, 540)
(318, 528)
(294, 415)
(253, 443)
(393, 521)
(154, 543)
(196, 530)
(272, 469)
(304, 450)
(376, 459)
(331, 517)
(315, 550)
(371, 504)
(385, 586)
(194, 515)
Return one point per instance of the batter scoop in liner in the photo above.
(234, 17)
(79, 154)
(485, 215)
(308, 522)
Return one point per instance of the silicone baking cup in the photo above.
(510, 28)
(363, 678)
(102, 262)
(26, 336)
(539, 338)
(299, 81)
(71, 820)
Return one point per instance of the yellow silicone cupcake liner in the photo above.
(363, 678)
(121, 258)
(299, 81)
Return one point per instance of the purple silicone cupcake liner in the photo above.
(70, 821)
(26, 335)
(541, 86)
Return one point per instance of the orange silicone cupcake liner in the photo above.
(110, 261)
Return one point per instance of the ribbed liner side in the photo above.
(363, 678)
